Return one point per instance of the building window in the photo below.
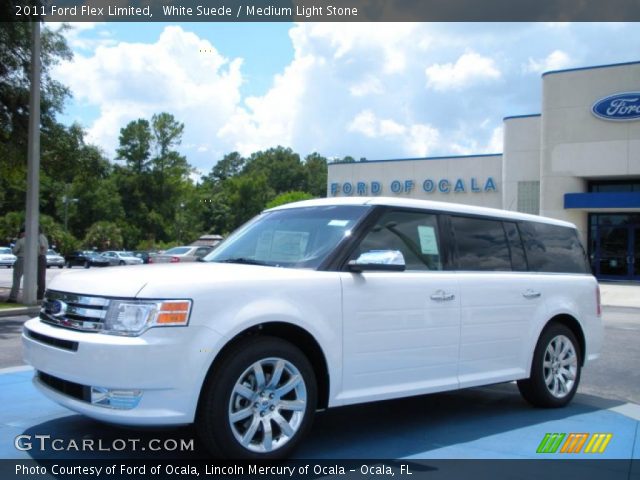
(614, 186)
(529, 197)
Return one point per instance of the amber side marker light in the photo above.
(173, 313)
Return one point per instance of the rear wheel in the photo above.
(555, 371)
(259, 402)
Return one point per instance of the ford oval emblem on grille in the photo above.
(58, 308)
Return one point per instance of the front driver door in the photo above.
(401, 330)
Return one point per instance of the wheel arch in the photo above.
(294, 334)
(572, 324)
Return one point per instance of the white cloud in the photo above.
(370, 85)
(469, 69)
(556, 60)
(349, 89)
(415, 140)
(179, 73)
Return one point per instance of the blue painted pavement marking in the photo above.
(484, 423)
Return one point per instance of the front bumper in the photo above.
(168, 365)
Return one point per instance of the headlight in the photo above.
(130, 317)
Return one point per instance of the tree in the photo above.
(230, 166)
(246, 196)
(103, 236)
(15, 67)
(288, 197)
(135, 145)
(315, 166)
(281, 167)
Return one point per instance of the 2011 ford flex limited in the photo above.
(319, 304)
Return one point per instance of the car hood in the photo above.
(164, 280)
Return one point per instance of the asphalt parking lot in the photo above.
(483, 423)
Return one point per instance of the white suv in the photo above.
(320, 304)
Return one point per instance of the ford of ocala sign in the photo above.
(618, 107)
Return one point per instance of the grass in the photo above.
(10, 305)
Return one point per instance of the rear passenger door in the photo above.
(401, 329)
(499, 300)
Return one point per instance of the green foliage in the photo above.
(10, 225)
(288, 197)
(135, 145)
(103, 236)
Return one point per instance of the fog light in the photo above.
(115, 398)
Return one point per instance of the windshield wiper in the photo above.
(245, 261)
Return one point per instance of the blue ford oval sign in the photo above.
(620, 107)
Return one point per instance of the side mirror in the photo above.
(378, 260)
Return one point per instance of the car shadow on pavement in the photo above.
(382, 430)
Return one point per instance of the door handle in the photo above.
(442, 296)
(531, 294)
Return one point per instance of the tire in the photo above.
(547, 389)
(68, 263)
(60, 266)
(87, 264)
(121, 262)
(257, 408)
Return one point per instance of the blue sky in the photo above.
(366, 90)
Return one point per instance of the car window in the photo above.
(481, 244)
(5, 250)
(177, 251)
(414, 234)
(294, 238)
(553, 248)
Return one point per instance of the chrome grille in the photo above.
(78, 312)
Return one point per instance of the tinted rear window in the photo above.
(481, 244)
(553, 248)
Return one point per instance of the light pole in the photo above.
(65, 201)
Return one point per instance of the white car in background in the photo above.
(187, 253)
(7, 259)
(122, 258)
(54, 259)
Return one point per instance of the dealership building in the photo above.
(578, 160)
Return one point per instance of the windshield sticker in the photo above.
(338, 223)
(428, 242)
(282, 246)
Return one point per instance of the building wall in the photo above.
(480, 177)
(521, 157)
(578, 146)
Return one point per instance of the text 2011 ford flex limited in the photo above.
(320, 304)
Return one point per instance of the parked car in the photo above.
(7, 259)
(320, 304)
(187, 253)
(144, 255)
(121, 258)
(54, 259)
(86, 258)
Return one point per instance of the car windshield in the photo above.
(92, 254)
(177, 251)
(295, 238)
(5, 250)
(51, 252)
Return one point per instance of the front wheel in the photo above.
(555, 371)
(259, 401)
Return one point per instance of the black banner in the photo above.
(313, 469)
(320, 10)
